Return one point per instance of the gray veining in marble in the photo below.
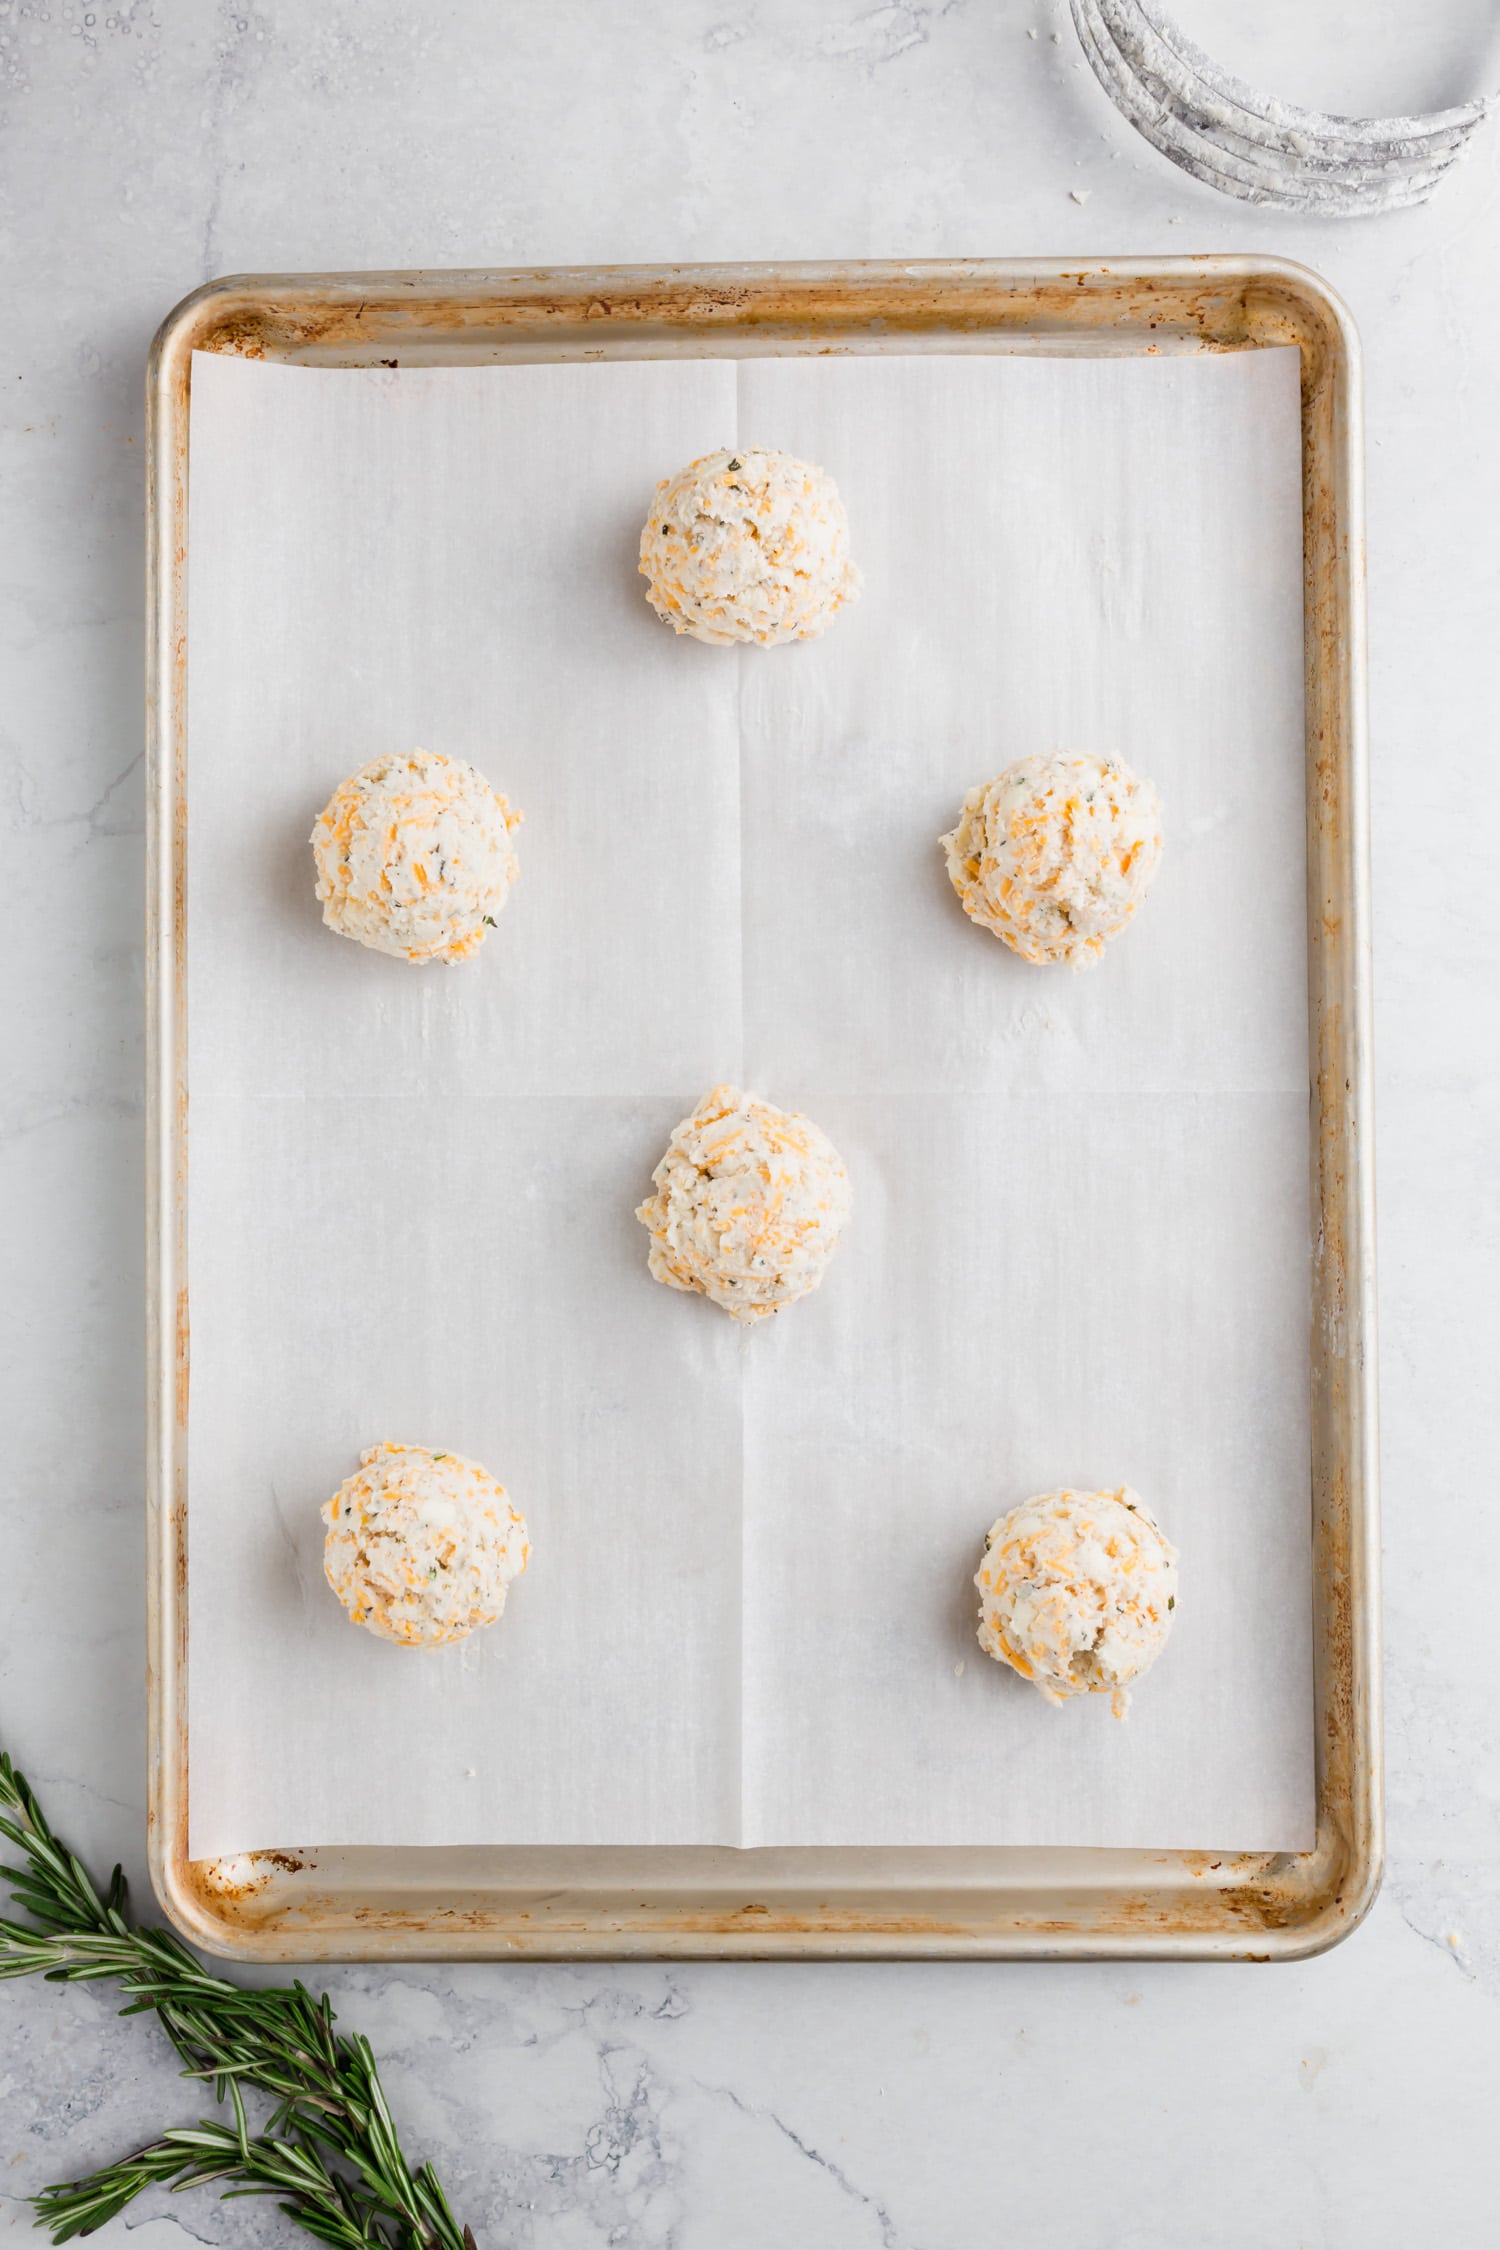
(147, 144)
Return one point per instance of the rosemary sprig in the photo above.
(329, 2148)
(189, 2155)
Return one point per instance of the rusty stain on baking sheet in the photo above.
(180, 1358)
(341, 322)
(243, 1874)
(1220, 1905)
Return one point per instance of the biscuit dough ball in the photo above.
(421, 1546)
(1056, 854)
(414, 856)
(749, 1205)
(1077, 1591)
(748, 545)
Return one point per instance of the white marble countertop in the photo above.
(145, 145)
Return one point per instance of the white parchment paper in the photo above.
(1079, 1246)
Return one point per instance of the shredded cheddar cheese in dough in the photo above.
(1055, 855)
(1076, 1593)
(749, 1205)
(748, 545)
(414, 856)
(421, 1546)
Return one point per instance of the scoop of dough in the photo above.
(414, 856)
(748, 546)
(1056, 854)
(422, 1546)
(749, 1205)
(1076, 1593)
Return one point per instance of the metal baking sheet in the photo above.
(988, 1901)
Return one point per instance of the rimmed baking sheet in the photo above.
(1050, 1080)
